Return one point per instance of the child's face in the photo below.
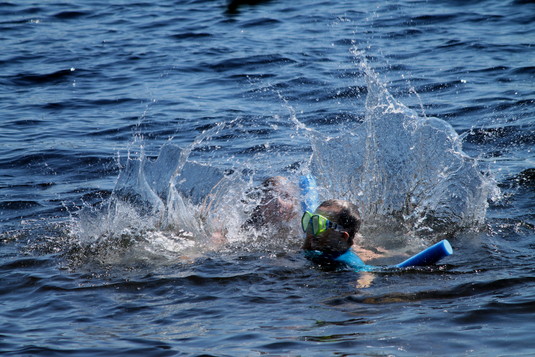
(280, 204)
(331, 240)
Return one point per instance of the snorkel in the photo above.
(309, 203)
(309, 193)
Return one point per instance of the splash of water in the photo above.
(153, 213)
(173, 208)
(407, 173)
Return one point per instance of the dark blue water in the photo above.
(420, 112)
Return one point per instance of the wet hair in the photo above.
(346, 214)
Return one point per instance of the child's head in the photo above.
(338, 238)
(344, 213)
(278, 202)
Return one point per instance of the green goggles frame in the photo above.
(318, 223)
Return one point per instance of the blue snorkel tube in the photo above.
(309, 191)
(428, 256)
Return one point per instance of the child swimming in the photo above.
(332, 228)
(330, 238)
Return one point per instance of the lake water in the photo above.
(131, 131)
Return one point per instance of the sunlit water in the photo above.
(133, 133)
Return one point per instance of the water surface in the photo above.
(422, 113)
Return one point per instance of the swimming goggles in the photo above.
(318, 223)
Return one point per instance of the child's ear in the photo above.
(345, 236)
